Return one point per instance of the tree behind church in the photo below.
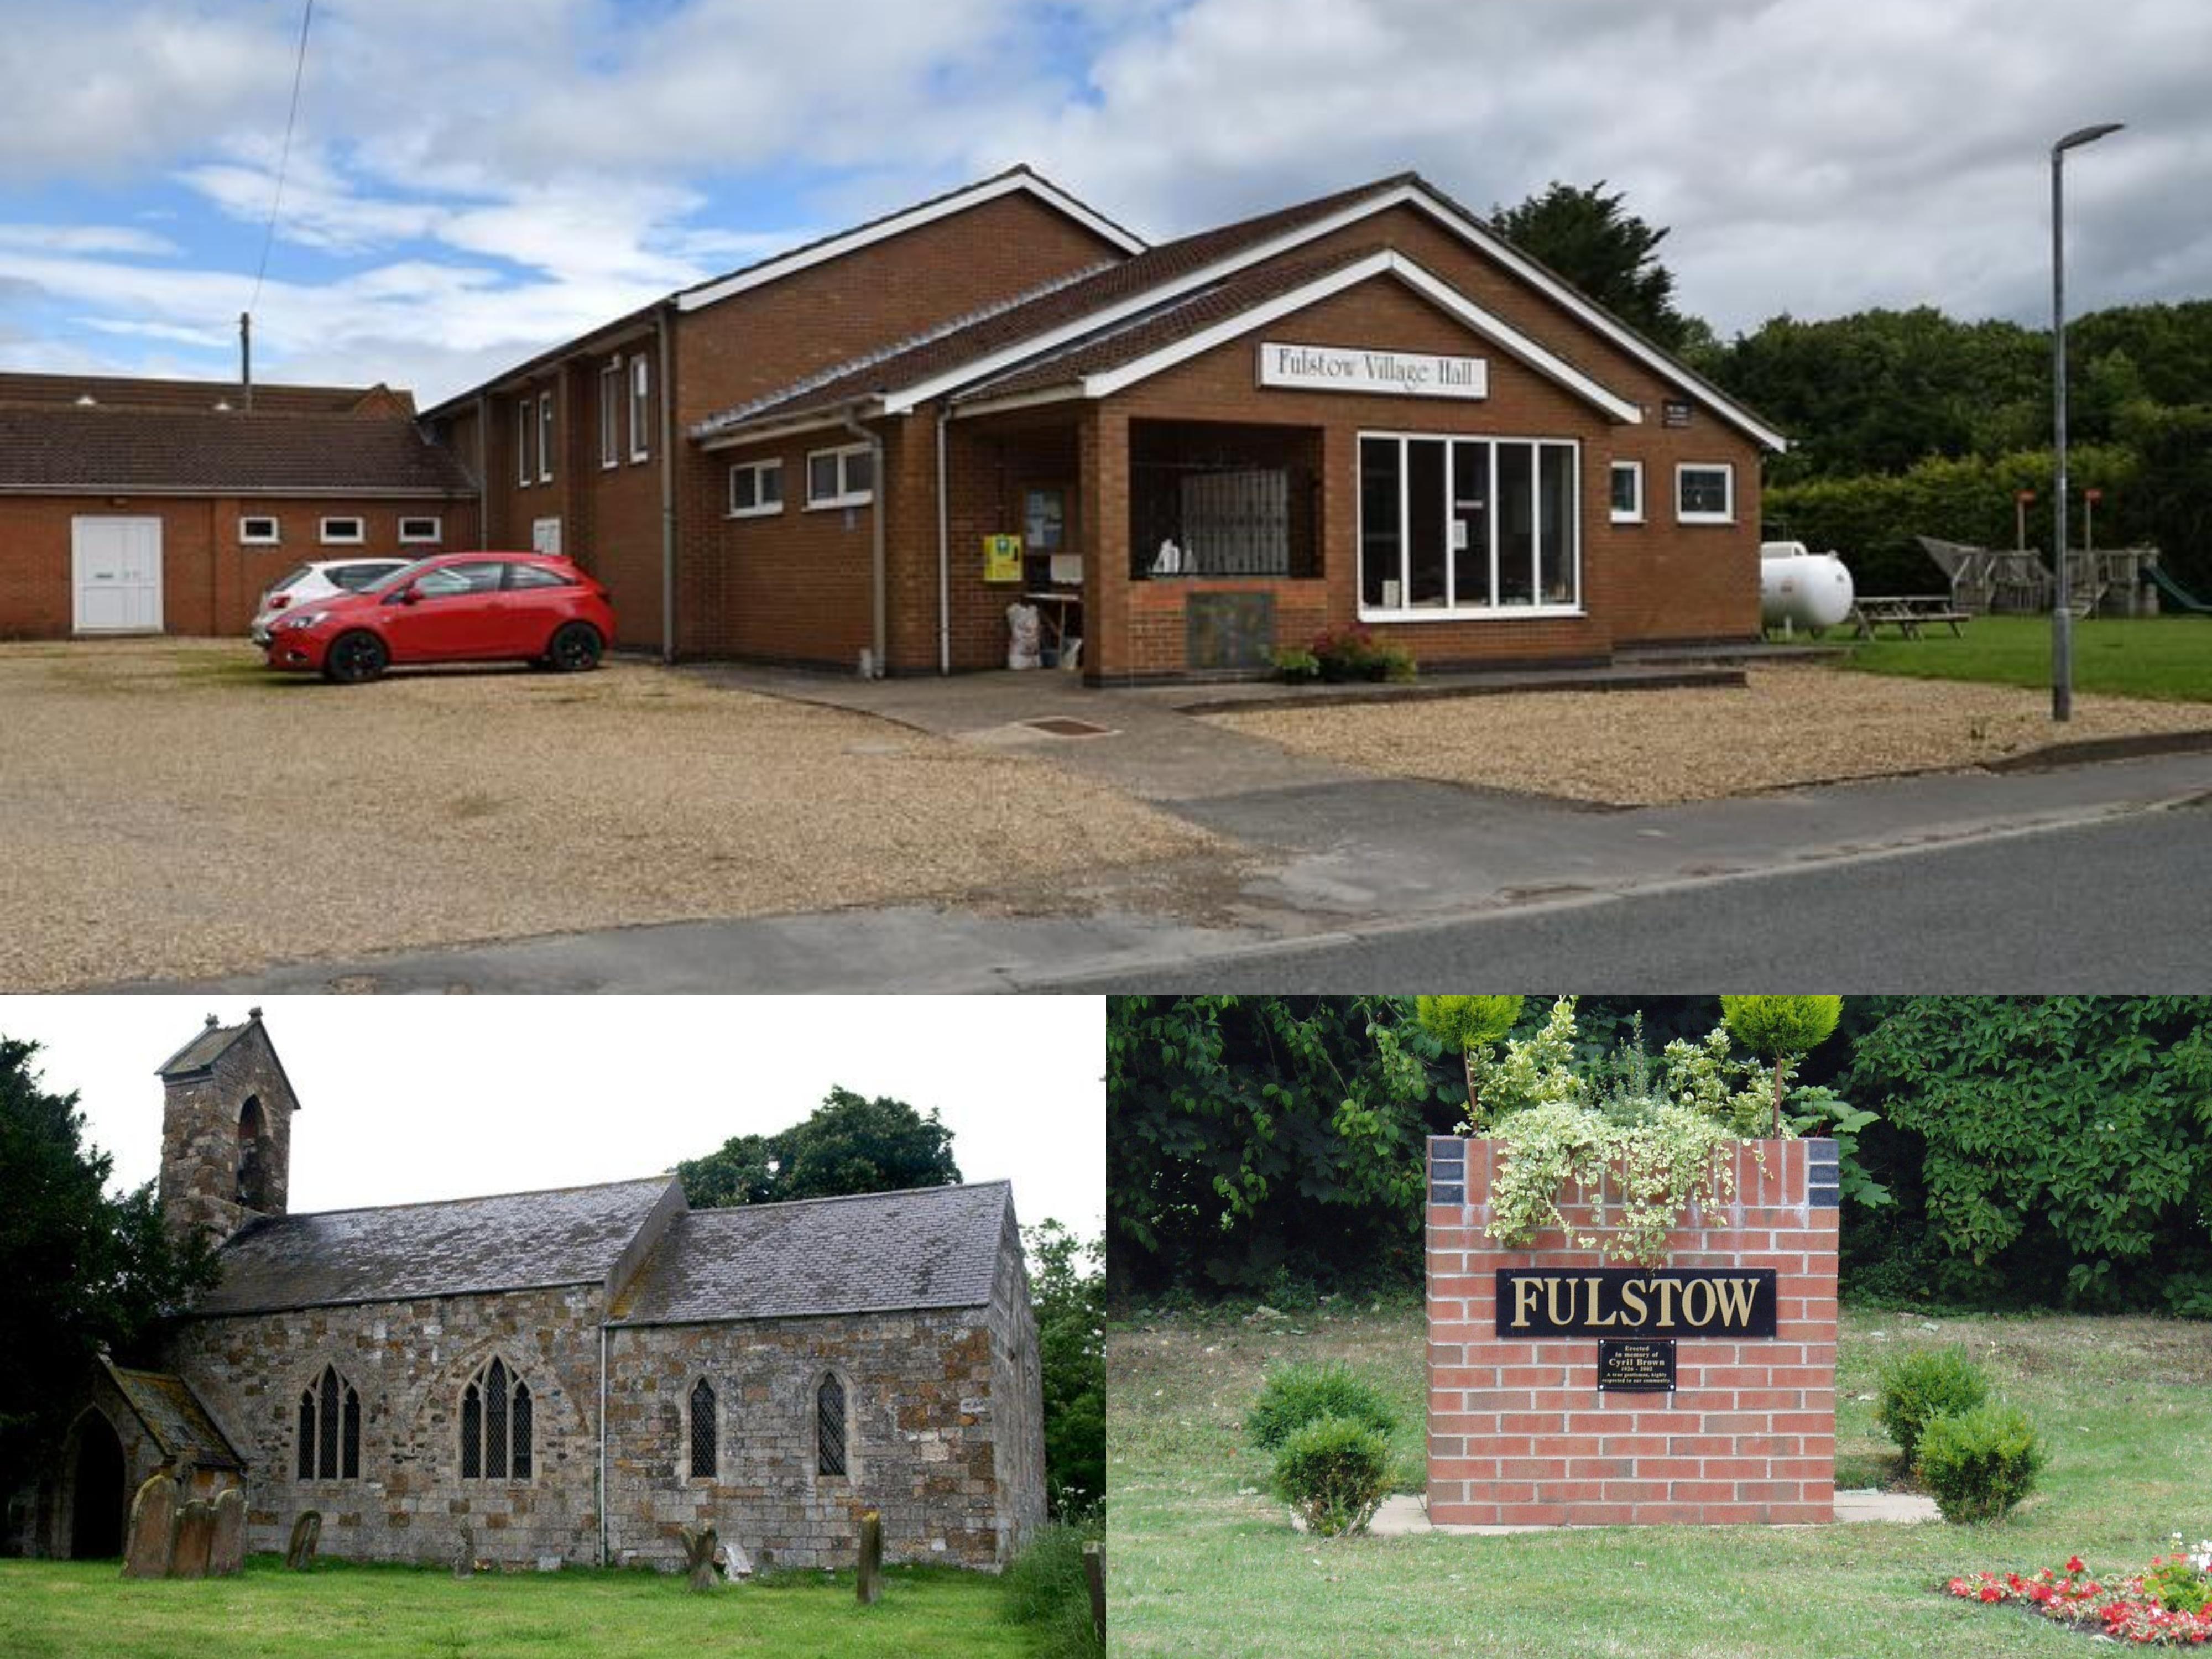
(83, 1271)
(849, 1144)
(1611, 255)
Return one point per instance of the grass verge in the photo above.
(2165, 658)
(1203, 1561)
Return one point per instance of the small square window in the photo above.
(1705, 494)
(755, 489)
(1628, 492)
(840, 477)
(421, 529)
(343, 532)
(259, 533)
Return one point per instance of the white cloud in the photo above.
(86, 238)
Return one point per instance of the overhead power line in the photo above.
(284, 157)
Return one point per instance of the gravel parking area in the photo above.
(172, 809)
(1789, 725)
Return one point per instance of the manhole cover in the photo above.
(1063, 726)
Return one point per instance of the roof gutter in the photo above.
(878, 578)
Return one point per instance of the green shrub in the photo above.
(1981, 1463)
(1920, 1386)
(2176, 1585)
(1295, 663)
(1334, 1471)
(1295, 1395)
(1046, 1589)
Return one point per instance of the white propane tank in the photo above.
(1799, 588)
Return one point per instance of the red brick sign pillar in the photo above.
(1520, 1432)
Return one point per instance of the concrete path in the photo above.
(1407, 1515)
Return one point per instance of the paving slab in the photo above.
(1406, 1515)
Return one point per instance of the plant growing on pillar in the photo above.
(1782, 1029)
(1466, 1026)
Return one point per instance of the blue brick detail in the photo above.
(1447, 1149)
(1440, 1194)
(1820, 1154)
(1824, 1198)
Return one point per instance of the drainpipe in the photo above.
(667, 498)
(877, 582)
(944, 553)
(603, 1442)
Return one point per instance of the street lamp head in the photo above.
(2082, 136)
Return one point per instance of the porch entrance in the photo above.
(96, 1492)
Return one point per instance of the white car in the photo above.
(318, 581)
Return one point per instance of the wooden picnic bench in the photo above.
(1908, 614)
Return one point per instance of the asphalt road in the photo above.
(2119, 907)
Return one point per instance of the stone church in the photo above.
(567, 1376)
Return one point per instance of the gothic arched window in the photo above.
(497, 1427)
(830, 1427)
(330, 1429)
(702, 1430)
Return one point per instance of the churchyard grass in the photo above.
(1204, 1561)
(85, 1610)
(2159, 657)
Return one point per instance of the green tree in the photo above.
(1780, 1029)
(850, 1144)
(1466, 1026)
(1067, 1288)
(85, 1272)
(1610, 254)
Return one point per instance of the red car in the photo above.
(456, 607)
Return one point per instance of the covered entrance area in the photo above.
(96, 1496)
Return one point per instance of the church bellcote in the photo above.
(225, 1129)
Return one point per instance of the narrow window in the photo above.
(702, 1430)
(611, 399)
(326, 1437)
(352, 1436)
(545, 437)
(641, 407)
(307, 1434)
(471, 1433)
(526, 440)
(1628, 492)
(1705, 493)
(521, 1425)
(330, 1429)
(495, 1422)
(496, 1427)
(829, 1427)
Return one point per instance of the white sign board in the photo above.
(1353, 369)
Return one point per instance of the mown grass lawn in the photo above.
(1204, 1562)
(2161, 657)
(81, 1610)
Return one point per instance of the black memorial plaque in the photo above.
(1638, 1367)
(1713, 1301)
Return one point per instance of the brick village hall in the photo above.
(564, 1377)
(1366, 408)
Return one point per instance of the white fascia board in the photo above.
(739, 437)
(1058, 394)
(898, 225)
(903, 399)
(1386, 262)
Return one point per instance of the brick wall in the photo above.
(1519, 1432)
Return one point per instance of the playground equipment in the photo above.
(1799, 588)
(2179, 596)
(2109, 581)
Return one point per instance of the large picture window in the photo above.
(1459, 526)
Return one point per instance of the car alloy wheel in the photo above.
(575, 647)
(354, 658)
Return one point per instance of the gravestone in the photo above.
(871, 1559)
(194, 1537)
(306, 1537)
(227, 1554)
(151, 1543)
(464, 1555)
(699, 1558)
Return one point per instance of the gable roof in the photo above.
(61, 449)
(173, 1414)
(211, 1044)
(513, 1241)
(128, 391)
(961, 357)
(930, 1247)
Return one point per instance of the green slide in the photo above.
(2175, 591)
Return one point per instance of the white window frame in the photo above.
(437, 531)
(360, 530)
(526, 440)
(1635, 470)
(846, 496)
(760, 471)
(1449, 611)
(610, 392)
(545, 437)
(1727, 470)
(640, 406)
(247, 538)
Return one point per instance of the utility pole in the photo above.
(2062, 613)
(246, 357)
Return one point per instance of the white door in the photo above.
(115, 566)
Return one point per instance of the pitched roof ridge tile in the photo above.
(846, 1198)
(475, 1198)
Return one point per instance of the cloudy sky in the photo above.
(470, 183)
(449, 1097)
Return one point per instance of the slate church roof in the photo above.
(930, 1247)
(517, 1241)
(174, 1417)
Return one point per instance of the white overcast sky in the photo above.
(446, 1097)
(471, 183)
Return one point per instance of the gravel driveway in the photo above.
(1789, 724)
(170, 809)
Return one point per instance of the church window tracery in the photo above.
(498, 1425)
(830, 1427)
(330, 1429)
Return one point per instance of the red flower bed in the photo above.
(2127, 1610)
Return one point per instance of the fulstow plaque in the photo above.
(1655, 1301)
(1643, 1367)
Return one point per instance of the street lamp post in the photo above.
(2062, 613)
